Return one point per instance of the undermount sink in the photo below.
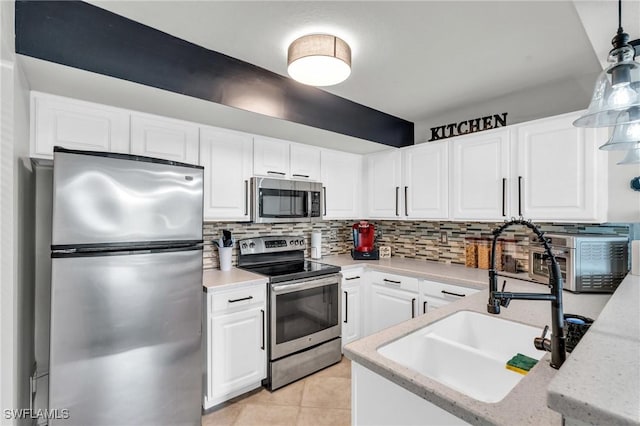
(467, 351)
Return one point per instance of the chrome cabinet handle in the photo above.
(504, 196)
(346, 307)
(452, 294)
(246, 197)
(297, 175)
(241, 299)
(262, 346)
(413, 307)
(406, 207)
(397, 196)
(271, 172)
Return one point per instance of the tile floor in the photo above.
(323, 398)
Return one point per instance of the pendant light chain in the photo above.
(620, 16)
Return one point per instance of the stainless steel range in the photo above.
(304, 307)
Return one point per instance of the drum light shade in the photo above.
(319, 60)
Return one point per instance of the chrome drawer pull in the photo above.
(240, 300)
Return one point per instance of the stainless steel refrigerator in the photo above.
(126, 289)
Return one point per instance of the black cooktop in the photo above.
(288, 271)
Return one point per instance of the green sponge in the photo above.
(521, 363)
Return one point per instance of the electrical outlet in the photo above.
(443, 237)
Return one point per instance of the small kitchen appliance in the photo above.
(589, 263)
(304, 307)
(364, 240)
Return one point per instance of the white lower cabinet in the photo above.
(235, 329)
(378, 401)
(352, 305)
(434, 295)
(392, 299)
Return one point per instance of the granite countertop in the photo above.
(215, 279)
(441, 272)
(600, 382)
(527, 402)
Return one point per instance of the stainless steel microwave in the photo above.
(588, 263)
(282, 201)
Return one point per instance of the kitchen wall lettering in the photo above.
(468, 126)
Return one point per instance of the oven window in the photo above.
(304, 312)
(541, 267)
(283, 203)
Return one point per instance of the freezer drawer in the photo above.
(126, 338)
(101, 198)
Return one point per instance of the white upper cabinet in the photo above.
(270, 157)
(426, 181)
(561, 174)
(227, 159)
(73, 124)
(384, 181)
(341, 175)
(283, 159)
(479, 176)
(164, 138)
(305, 161)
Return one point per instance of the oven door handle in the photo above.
(289, 288)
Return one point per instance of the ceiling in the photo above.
(411, 59)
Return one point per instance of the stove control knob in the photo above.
(295, 242)
(291, 242)
(244, 245)
(301, 242)
(252, 244)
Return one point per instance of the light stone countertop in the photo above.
(600, 382)
(215, 279)
(526, 404)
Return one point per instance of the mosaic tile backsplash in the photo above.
(409, 239)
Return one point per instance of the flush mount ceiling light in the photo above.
(617, 88)
(319, 60)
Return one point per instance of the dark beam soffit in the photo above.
(84, 36)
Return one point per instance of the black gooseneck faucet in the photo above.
(555, 345)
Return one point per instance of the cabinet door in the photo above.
(383, 180)
(164, 138)
(341, 175)
(560, 170)
(390, 306)
(305, 162)
(479, 180)
(226, 157)
(351, 308)
(270, 157)
(426, 181)
(429, 303)
(72, 124)
(238, 352)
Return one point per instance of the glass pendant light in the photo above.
(617, 88)
(625, 136)
(632, 157)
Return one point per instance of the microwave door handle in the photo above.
(309, 213)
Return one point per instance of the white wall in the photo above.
(554, 98)
(624, 203)
(16, 230)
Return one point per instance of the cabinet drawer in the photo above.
(445, 291)
(394, 281)
(351, 278)
(234, 299)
